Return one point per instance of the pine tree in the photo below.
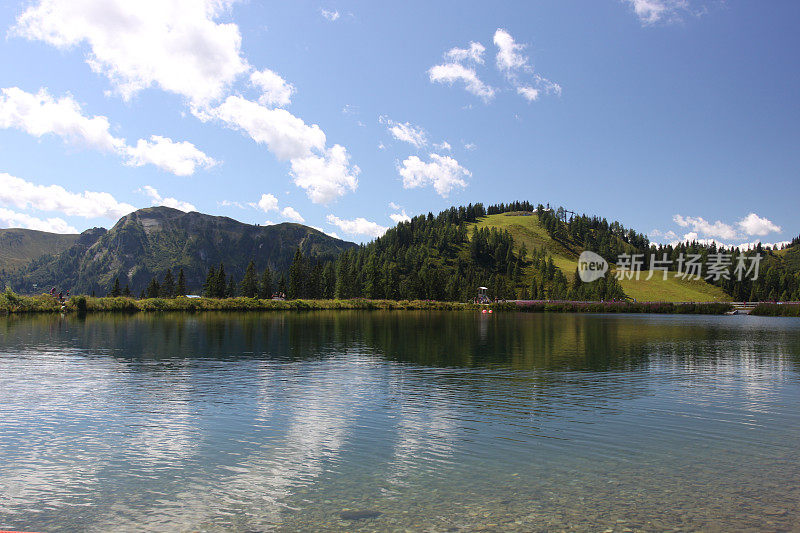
(180, 290)
(249, 286)
(220, 283)
(230, 288)
(115, 290)
(265, 287)
(168, 287)
(297, 276)
(127, 291)
(282, 285)
(209, 287)
(153, 289)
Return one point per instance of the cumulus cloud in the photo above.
(88, 204)
(653, 11)
(705, 232)
(400, 217)
(177, 45)
(331, 15)
(291, 213)
(284, 134)
(157, 199)
(705, 228)
(405, 132)
(442, 172)
(753, 224)
(268, 203)
(274, 89)
(326, 177)
(474, 53)
(357, 226)
(13, 219)
(181, 47)
(40, 114)
(324, 173)
(179, 158)
(451, 73)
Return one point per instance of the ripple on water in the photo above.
(365, 421)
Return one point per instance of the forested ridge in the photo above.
(442, 257)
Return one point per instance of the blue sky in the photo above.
(677, 117)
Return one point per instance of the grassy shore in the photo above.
(13, 303)
(770, 309)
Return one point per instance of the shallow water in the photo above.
(441, 421)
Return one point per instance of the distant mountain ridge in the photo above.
(19, 246)
(148, 242)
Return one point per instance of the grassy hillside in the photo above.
(20, 246)
(526, 228)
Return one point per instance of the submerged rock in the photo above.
(359, 515)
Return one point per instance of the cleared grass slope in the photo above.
(527, 229)
(19, 246)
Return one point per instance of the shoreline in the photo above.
(11, 303)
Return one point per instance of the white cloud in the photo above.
(703, 227)
(230, 203)
(157, 199)
(470, 146)
(331, 15)
(328, 233)
(753, 224)
(653, 11)
(357, 226)
(175, 44)
(268, 202)
(512, 61)
(12, 219)
(750, 245)
(474, 53)
(509, 53)
(26, 195)
(444, 145)
(40, 114)
(285, 135)
(450, 73)
(443, 172)
(394, 206)
(664, 236)
(324, 173)
(705, 232)
(400, 217)
(274, 89)
(292, 214)
(179, 158)
(528, 92)
(405, 132)
(326, 177)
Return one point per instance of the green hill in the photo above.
(20, 246)
(527, 229)
(148, 242)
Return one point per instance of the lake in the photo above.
(442, 421)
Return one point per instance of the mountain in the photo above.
(148, 242)
(20, 246)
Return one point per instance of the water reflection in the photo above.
(259, 421)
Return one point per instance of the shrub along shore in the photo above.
(13, 303)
